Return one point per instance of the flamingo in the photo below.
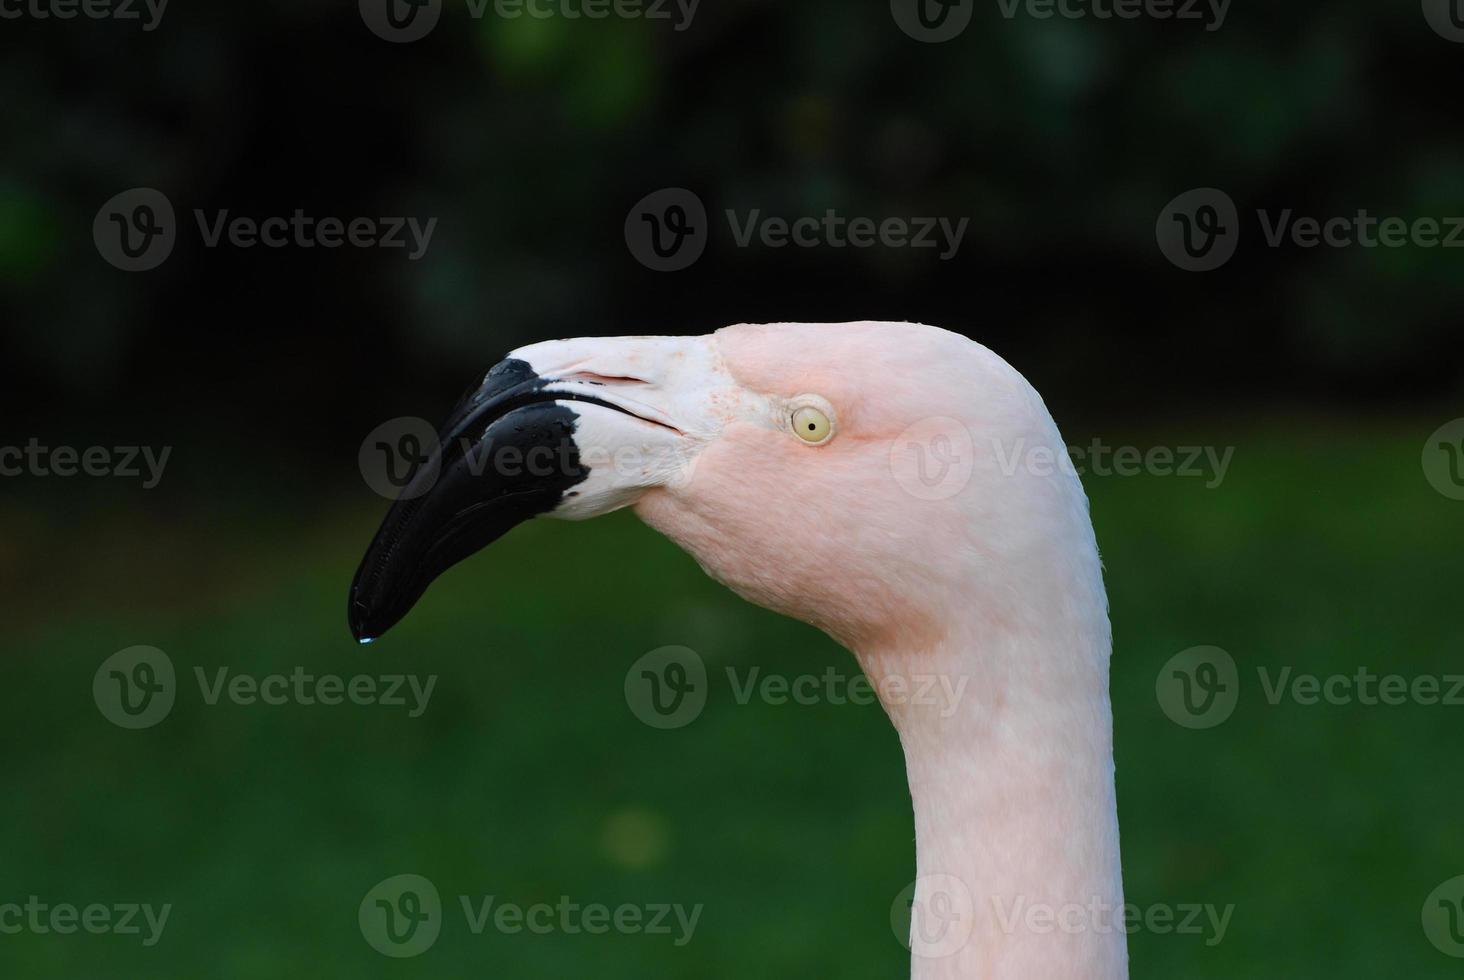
(892, 484)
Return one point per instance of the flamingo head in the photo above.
(853, 476)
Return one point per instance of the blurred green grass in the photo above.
(528, 778)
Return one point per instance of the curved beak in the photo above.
(568, 429)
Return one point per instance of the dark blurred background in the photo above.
(529, 141)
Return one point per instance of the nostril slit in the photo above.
(590, 377)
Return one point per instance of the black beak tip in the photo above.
(470, 494)
(370, 617)
(359, 617)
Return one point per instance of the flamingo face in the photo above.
(772, 454)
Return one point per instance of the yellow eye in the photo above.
(811, 425)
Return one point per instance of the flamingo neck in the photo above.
(1016, 823)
